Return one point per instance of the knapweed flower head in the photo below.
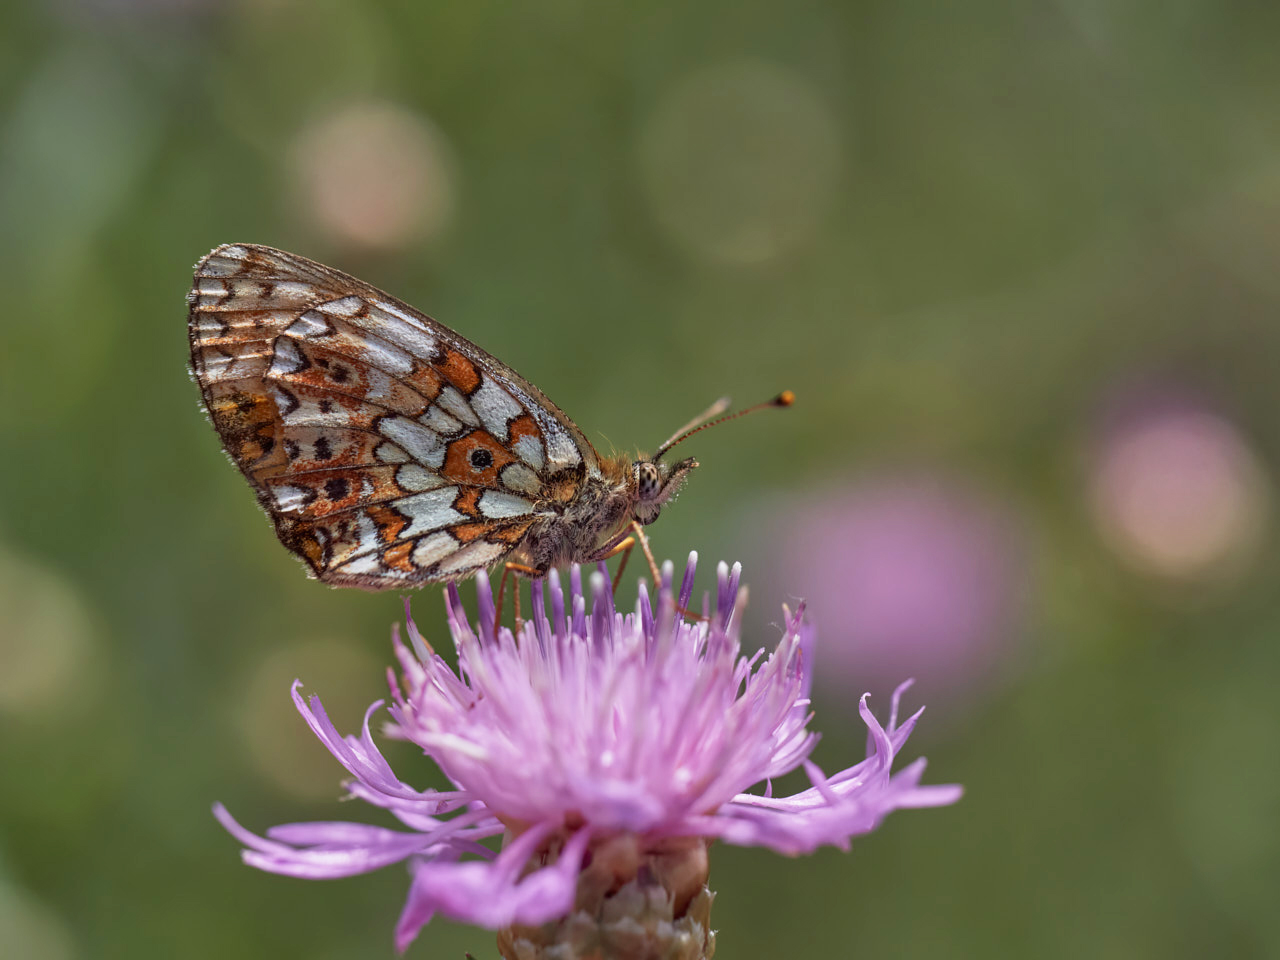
(608, 750)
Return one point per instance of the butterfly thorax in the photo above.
(586, 527)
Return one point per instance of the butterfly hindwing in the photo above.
(387, 449)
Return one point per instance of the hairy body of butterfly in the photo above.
(388, 450)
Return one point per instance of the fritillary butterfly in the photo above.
(388, 450)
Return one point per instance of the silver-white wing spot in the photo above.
(456, 404)
(408, 336)
(379, 387)
(211, 291)
(518, 477)
(529, 449)
(228, 262)
(346, 307)
(294, 290)
(367, 544)
(439, 421)
(495, 407)
(216, 364)
(286, 358)
(421, 444)
(384, 354)
(364, 561)
(434, 548)
(207, 326)
(290, 498)
(243, 365)
(310, 412)
(562, 452)
(395, 311)
(416, 478)
(309, 326)
(429, 511)
(390, 453)
(496, 505)
(478, 553)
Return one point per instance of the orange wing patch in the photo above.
(468, 502)
(303, 540)
(495, 531)
(459, 371)
(467, 532)
(511, 534)
(475, 459)
(247, 423)
(424, 378)
(524, 426)
(398, 557)
(389, 522)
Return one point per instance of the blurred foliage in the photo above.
(951, 229)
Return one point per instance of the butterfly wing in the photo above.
(387, 449)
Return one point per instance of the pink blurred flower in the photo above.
(1175, 488)
(910, 576)
(375, 175)
(586, 734)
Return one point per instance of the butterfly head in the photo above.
(654, 483)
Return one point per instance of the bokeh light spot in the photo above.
(740, 162)
(282, 749)
(30, 930)
(375, 175)
(45, 633)
(1176, 491)
(90, 10)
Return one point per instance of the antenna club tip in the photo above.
(785, 399)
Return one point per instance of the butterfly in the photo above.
(390, 451)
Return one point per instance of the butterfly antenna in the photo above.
(704, 419)
(717, 408)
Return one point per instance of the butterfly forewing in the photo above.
(387, 449)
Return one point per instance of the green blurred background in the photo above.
(1018, 261)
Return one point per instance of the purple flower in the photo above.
(596, 743)
(924, 575)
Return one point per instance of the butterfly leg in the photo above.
(653, 568)
(648, 554)
(519, 569)
(623, 546)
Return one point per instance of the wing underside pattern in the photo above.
(387, 449)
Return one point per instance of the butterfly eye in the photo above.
(648, 483)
